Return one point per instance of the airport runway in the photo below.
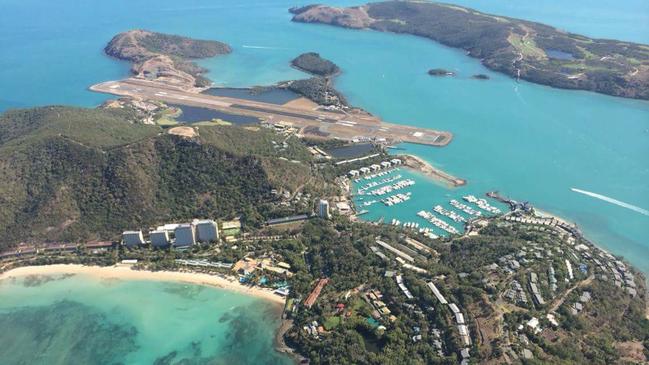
(317, 123)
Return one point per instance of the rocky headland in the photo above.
(164, 57)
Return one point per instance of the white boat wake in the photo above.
(519, 96)
(612, 201)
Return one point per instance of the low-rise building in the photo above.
(245, 266)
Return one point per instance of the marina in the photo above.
(396, 199)
(413, 225)
(437, 222)
(373, 176)
(401, 184)
(465, 208)
(441, 211)
(373, 184)
(370, 202)
(448, 213)
(482, 204)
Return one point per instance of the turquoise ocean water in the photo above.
(86, 320)
(528, 141)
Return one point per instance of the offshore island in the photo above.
(521, 49)
(268, 205)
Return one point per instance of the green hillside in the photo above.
(98, 128)
(77, 174)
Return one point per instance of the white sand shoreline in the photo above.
(124, 272)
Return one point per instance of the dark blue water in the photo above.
(194, 114)
(559, 55)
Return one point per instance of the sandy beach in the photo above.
(124, 272)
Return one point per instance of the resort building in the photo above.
(395, 161)
(323, 209)
(170, 227)
(290, 219)
(132, 238)
(437, 293)
(245, 266)
(315, 293)
(207, 231)
(159, 238)
(185, 235)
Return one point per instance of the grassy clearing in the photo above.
(213, 122)
(587, 54)
(331, 322)
(167, 117)
(166, 122)
(527, 47)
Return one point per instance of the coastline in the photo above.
(429, 170)
(125, 272)
(545, 214)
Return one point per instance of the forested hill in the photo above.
(165, 56)
(522, 49)
(139, 45)
(312, 63)
(80, 174)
